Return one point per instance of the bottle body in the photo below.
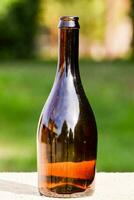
(67, 133)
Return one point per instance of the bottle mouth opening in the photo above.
(66, 22)
(69, 18)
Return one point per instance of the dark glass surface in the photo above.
(67, 133)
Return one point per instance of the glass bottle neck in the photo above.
(68, 50)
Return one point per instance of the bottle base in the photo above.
(66, 192)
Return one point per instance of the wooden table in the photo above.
(109, 186)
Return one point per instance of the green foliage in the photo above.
(18, 24)
(4, 6)
(24, 88)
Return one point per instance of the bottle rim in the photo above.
(69, 18)
(67, 22)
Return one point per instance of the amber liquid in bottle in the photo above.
(67, 133)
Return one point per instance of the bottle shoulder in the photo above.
(68, 103)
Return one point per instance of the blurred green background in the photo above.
(28, 59)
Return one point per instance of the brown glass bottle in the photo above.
(67, 133)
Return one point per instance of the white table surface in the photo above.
(109, 186)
